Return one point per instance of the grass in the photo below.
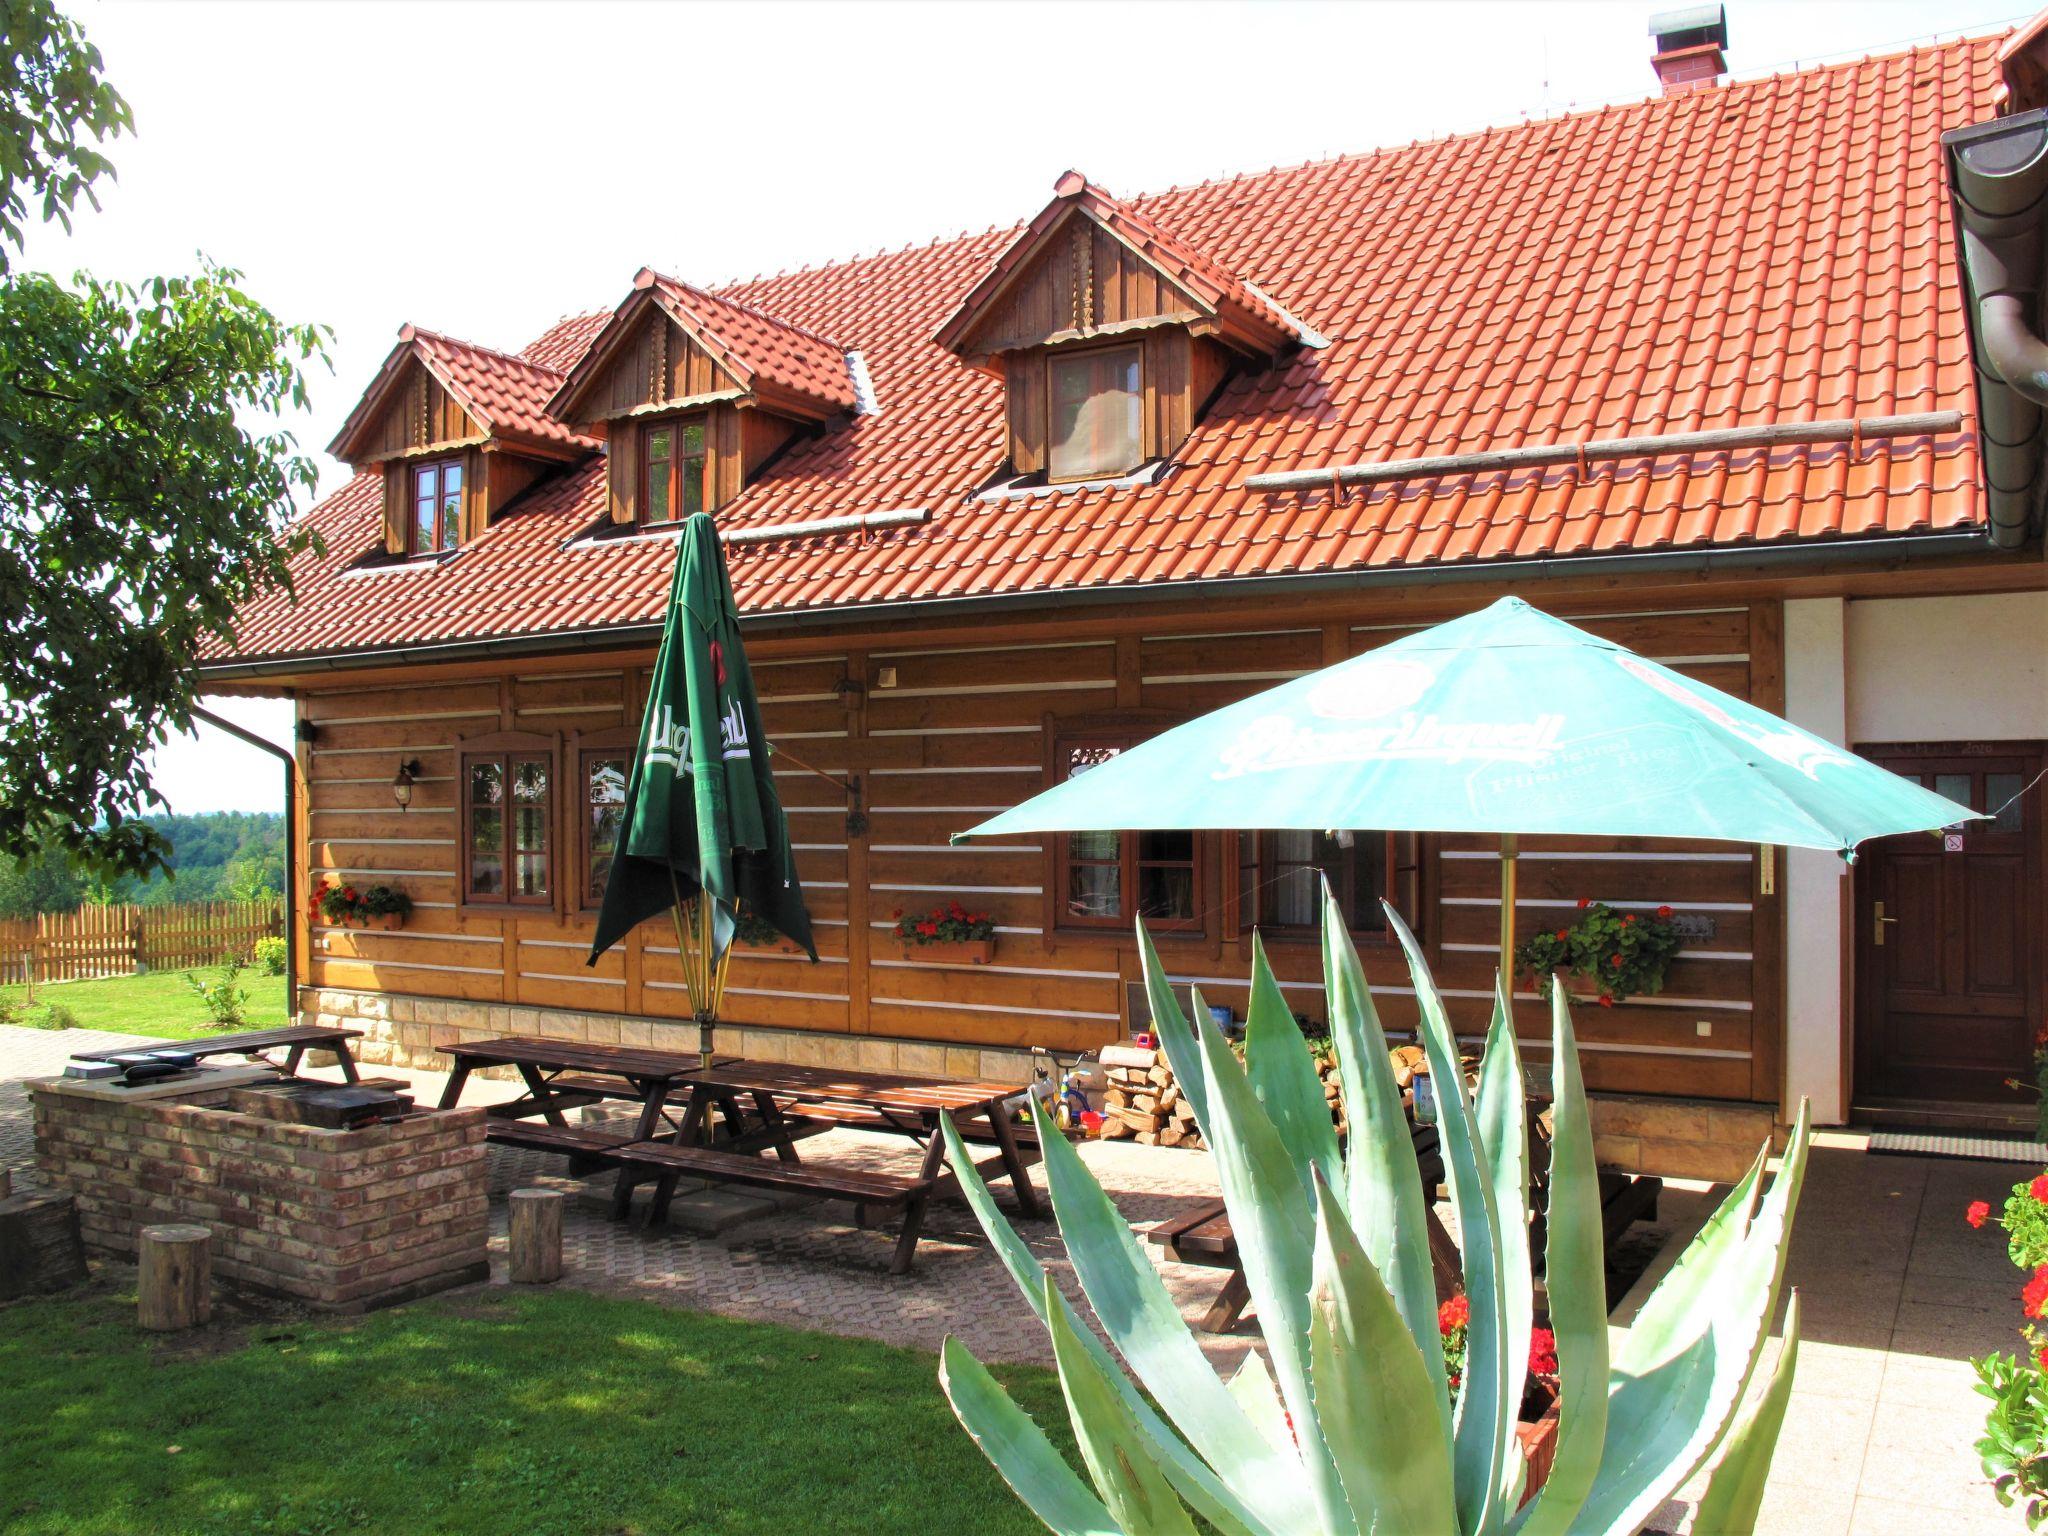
(155, 1004)
(551, 1413)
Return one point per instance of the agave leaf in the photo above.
(1487, 1403)
(1120, 1455)
(1575, 1274)
(1142, 1322)
(1283, 1075)
(1385, 1200)
(1276, 1244)
(1678, 1382)
(1176, 1039)
(1018, 1448)
(1502, 1111)
(1196, 1480)
(1256, 1393)
(1395, 1464)
(1735, 1491)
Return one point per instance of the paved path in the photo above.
(1898, 1292)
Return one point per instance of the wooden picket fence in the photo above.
(120, 941)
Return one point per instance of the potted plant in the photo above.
(2014, 1447)
(1536, 1424)
(1617, 954)
(386, 907)
(948, 934)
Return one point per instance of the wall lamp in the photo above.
(401, 785)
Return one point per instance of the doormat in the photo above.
(1977, 1147)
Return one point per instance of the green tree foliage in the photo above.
(215, 856)
(140, 502)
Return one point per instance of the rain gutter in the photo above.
(291, 821)
(1657, 562)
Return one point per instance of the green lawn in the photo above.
(156, 1004)
(494, 1412)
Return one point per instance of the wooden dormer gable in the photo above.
(694, 394)
(670, 345)
(1088, 267)
(457, 427)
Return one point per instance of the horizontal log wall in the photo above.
(959, 735)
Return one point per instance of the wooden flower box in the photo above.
(1538, 1435)
(385, 922)
(775, 946)
(951, 951)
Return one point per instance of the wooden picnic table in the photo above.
(717, 1122)
(297, 1039)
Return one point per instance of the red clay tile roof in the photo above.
(1210, 285)
(507, 395)
(1774, 249)
(757, 348)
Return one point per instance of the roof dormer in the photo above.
(458, 430)
(1112, 335)
(694, 394)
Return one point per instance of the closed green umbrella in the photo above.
(1506, 721)
(702, 833)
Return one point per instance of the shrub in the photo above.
(2014, 1448)
(223, 997)
(269, 956)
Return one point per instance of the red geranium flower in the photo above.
(1606, 1001)
(1455, 1313)
(1627, 919)
(2039, 1188)
(2041, 1359)
(1585, 902)
(2034, 1297)
(1542, 1352)
(1615, 961)
(1979, 1209)
(1665, 913)
(1563, 936)
(928, 928)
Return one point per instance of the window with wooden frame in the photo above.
(508, 820)
(602, 761)
(1280, 876)
(1096, 407)
(675, 469)
(1106, 879)
(434, 526)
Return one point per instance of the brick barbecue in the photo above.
(342, 1220)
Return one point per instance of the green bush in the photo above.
(269, 956)
(223, 997)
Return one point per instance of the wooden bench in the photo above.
(865, 1189)
(588, 1151)
(297, 1039)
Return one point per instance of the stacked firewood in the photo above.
(1142, 1102)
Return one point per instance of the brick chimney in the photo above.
(1689, 47)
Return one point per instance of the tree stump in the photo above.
(40, 1246)
(175, 1287)
(536, 1240)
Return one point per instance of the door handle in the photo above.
(1877, 925)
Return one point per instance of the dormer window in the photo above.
(1111, 337)
(436, 508)
(1097, 413)
(677, 471)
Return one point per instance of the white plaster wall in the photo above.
(1947, 668)
(1816, 883)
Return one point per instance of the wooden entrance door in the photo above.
(1949, 934)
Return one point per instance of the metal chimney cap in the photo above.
(1710, 19)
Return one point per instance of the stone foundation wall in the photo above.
(401, 1031)
(342, 1220)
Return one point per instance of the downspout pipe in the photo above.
(291, 824)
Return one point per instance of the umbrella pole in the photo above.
(1509, 851)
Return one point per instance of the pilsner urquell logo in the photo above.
(669, 741)
(1371, 690)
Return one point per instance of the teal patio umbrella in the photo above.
(702, 834)
(1504, 722)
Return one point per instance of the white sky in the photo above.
(484, 169)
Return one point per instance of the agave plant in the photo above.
(1347, 1424)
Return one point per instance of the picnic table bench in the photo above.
(296, 1039)
(716, 1122)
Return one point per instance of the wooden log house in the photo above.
(989, 518)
